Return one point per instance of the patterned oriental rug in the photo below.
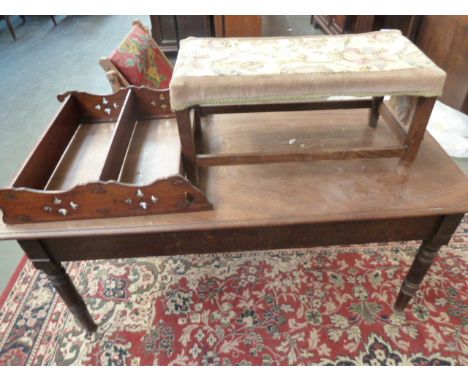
(328, 306)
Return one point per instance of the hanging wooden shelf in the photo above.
(104, 156)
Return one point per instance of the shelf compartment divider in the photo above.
(121, 139)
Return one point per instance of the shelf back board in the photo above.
(120, 140)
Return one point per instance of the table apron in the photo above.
(240, 239)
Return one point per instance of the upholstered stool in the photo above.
(232, 75)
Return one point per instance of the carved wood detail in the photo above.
(102, 199)
(94, 107)
(152, 103)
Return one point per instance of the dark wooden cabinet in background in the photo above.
(238, 26)
(332, 24)
(409, 25)
(445, 41)
(167, 31)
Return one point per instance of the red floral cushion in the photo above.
(141, 61)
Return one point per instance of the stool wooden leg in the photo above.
(424, 259)
(374, 111)
(189, 159)
(197, 121)
(417, 128)
(61, 282)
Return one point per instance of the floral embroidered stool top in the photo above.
(222, 71)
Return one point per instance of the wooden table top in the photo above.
(309, 192)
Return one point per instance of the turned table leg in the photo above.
(421, 264)
(61, 282)
(424, 258)
(374, 111)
